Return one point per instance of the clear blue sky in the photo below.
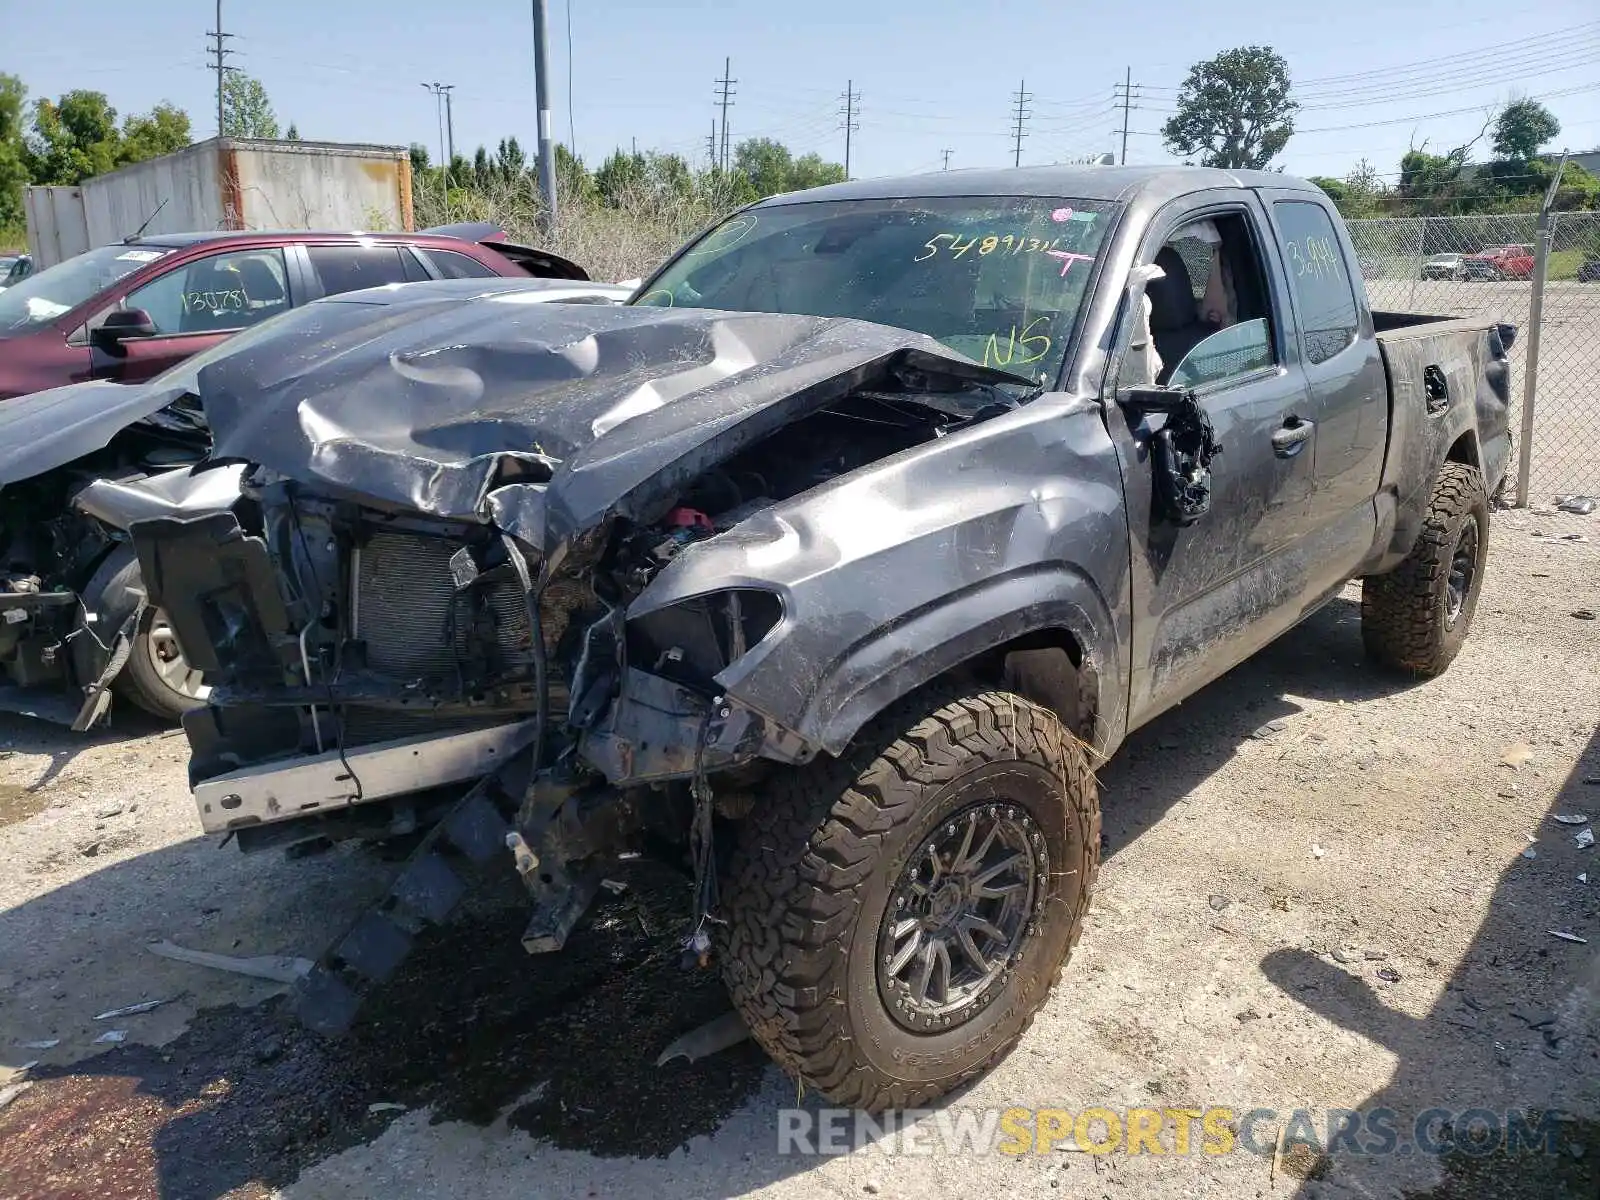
(932, 74)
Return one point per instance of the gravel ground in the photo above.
(1316, 896)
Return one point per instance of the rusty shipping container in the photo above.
(237, 183)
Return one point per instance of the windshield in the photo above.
(999, 279)
(45, 295)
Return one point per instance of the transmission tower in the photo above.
(725, 94)
(218, 48)
(1126, 93)
(1020, 117)
(850, 112)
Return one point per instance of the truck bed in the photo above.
(1443, 372)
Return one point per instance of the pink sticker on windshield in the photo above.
(1061, 214)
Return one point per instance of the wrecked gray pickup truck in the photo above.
(827, 567)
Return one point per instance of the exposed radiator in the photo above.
(404, 594)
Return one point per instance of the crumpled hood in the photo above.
(45, 430)
(540, 418)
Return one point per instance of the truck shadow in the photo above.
(62, 745)
(1515, 1031)
(475, 1031)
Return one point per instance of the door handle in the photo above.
(1292, 438)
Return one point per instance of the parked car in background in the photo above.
(1444, 266)
(67, 458)
(129, 311)
(14, 268)
(1506, 262)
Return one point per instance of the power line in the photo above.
(725, 93)
(947, 154)
(1452, 112)
(1020, 117)
(851, 110)
(1494, 52)
(221, 52)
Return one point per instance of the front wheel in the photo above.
(896, 917)
(1416, 617)
(157, 677)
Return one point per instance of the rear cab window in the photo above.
(1324, 292)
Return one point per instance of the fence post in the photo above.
(1541, 268)
(1416, 266)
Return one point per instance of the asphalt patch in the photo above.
(562, 1046)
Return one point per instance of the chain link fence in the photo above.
(1483, 267)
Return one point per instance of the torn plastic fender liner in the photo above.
(544, 418)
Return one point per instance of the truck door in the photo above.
(1345, 375)
(1207, 594)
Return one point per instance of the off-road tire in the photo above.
(1406, 619)
(814, 873)
(113, 594)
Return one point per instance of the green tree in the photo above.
(294, 133)
(620, 176)
(72, 138)
(811, 171)
(573, 180)
(162, 130)
(246, 110)
(1522, 128)
(13, 155)
(510, 160)
(1234, 111)
(767, 164)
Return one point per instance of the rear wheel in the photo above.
(898, 916)
(1416, 617)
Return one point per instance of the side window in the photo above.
(216, 294)
(1323, 291)
(1210, 320)
(349, 268)
(457, 266)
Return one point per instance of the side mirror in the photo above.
(1181, 449)
(120, 326)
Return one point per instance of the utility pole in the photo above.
(711, 144)
(541, 98)
(851, 110)
(439, 91)
(1020, 117)
(1124, 94)
(449, 124)
(947, 154)
(221, 52)
(725, 95)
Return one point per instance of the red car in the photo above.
(1509, 262)
(129, 311)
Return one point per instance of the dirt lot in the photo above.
(1316, 895)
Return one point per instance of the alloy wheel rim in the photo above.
(957, 918)
(1463, 567)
